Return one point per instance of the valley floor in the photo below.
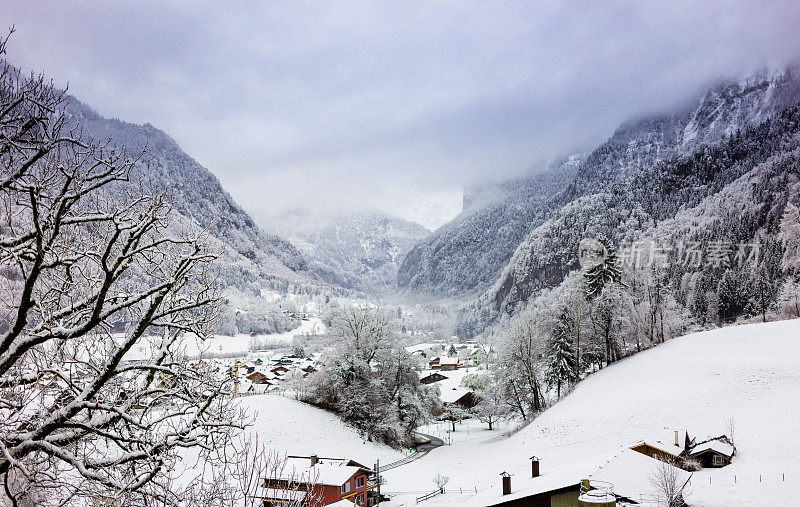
(695, 382)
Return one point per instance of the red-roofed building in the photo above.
(321, 481)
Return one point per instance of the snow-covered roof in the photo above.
(452, 380)
(630, 472)
(331, 472)
(714, 445)
(671, 449)
(454, 394)
(419, 347)
(562, 476)
(448, 360)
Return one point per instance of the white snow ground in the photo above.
(694, 382)
(293, 428)
(240, 343)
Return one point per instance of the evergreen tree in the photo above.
(560, 357)
(604, 272)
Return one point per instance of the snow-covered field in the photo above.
(240, 342)
(235, 344)
(750, 373)
(291, 427)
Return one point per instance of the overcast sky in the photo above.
(395, 105)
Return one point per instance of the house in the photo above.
(321, 481)
(279, 370)
(432, 378)
(448, 363)
(257, 388)
(659, 450)
(258, 378)
(622, 476)
(461, 396)
(434, 363)
(714, 453)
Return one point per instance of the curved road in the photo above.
(422, 450)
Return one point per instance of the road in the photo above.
(422, 450)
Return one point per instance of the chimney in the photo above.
(534, 466)
(506, 483)
(677, 441)
(314, 460)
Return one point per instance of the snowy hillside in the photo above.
(643, 176)
(360, 250)
(693, 383)
(252, 260)
(293, 428)
(467, 254)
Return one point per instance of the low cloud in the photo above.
(390, 104)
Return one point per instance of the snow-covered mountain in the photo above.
(467, 254)
(650, 170)
(629, 192)
(359, 250)
(252, 259)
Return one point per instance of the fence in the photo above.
(430, 495)
(719, 479)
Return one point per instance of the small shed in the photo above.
(714, 453)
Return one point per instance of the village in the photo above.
(624, 476)
(620, 477)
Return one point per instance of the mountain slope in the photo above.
(360, 250)
(252, 260)
(647, 170)
(466, 255)
(629, 199)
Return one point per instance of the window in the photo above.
(360, 499)
(718, 461)
(346, 487)
(360, 481)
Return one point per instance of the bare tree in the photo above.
(84, 249)
(441, 481)
(246, 473)
(730, 428)
(667, 479)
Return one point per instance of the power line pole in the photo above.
(378, 471)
